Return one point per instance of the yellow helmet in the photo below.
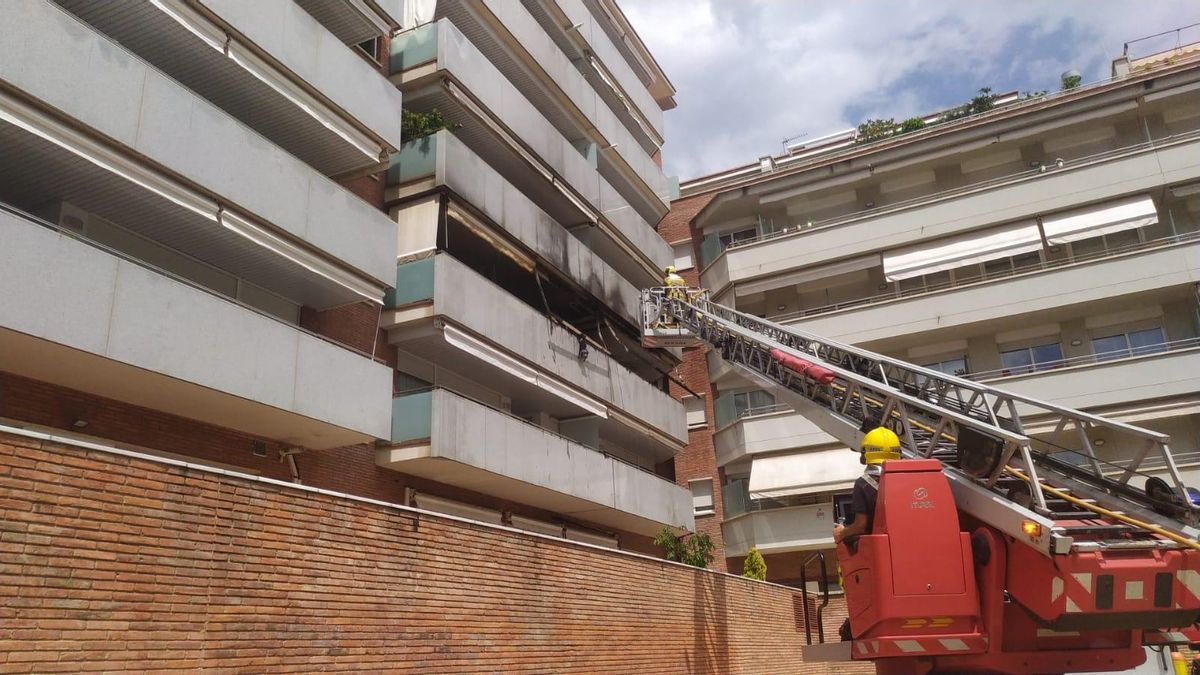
(670, 269)
(879, 445)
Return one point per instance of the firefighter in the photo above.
(879, 445)
(676, 286)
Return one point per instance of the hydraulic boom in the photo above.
(1104, 564)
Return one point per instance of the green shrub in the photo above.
(983, 102)
(694, 549)
(414, 125)
(755, 567)
(912, 124)
(873, 130)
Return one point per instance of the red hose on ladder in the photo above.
(806, 368)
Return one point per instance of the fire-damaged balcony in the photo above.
(122, 142)
(269, 64)
(443, 162)
(85, 317)
(440, 435)
(439, 68)
(447, 313)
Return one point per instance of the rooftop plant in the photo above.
(877, 129)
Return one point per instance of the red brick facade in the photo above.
(350, 469)
(698, 460)
(117, 563)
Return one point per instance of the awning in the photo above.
(808, 275)
(803, 473)
(964, 249)
(1093, 221)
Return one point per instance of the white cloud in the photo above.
(752, 72)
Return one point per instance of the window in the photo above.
(1130, 343)
(370, 48)
(1031, 359)
(694, 405)
(403, 383)
(949, 366)
(728, 238)
(702, 496)
(683, 255)
(753, 403)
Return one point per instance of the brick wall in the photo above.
(355, 325)
(120, 563)
(350, 469)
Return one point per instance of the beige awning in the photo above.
(807, 275)
(1093, 221)
(965, 249)
(802, 473)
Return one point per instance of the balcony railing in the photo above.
(1039, 266)
(412, 420)
(1085, 360)
(9, 208)
(736, 499)
(1015, 177)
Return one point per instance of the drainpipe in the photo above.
(289, 455)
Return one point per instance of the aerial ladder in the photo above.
(993, 550)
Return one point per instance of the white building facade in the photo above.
(1049, 245)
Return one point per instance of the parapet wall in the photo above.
(118, 561)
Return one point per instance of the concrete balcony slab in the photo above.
(451, 439)
(85, 318)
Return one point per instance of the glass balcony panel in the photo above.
(412, 416)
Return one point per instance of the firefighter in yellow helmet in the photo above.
(879, 445)
(676, 286)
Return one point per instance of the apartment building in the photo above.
(186, 266)
(218, 247)
(525, 234)
(1049, 245)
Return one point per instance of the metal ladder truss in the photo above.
(1057, 497)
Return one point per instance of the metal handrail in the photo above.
(1178, 32)
(1039, 266)
(952, 192)
(823, 582)
(763, 410)
(1116, 356)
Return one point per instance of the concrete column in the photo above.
(982, 354)
(1071, 332)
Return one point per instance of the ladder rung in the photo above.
(1098, 529)
(1073, 515)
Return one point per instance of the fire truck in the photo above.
(992, 551)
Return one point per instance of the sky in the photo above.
(751, 73)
